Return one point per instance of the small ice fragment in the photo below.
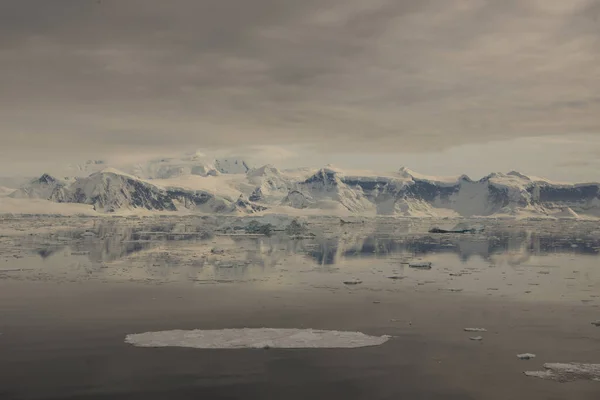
(525, 356)
(596, 323)
(478, 338)
(421, 265)
(353, 281)
(567, 372)
(475, 330)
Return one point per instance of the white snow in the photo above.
(255, 338)
(38, 206)
(567, 372)
(5, 191)
(221, 185)
(407, 173)
(231, 166)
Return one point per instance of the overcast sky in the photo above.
(312, 80)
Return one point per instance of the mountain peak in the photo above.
(326, 176)
(267, 169)
(46, 178)
(518, 174)
(406, 172)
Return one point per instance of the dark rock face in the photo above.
(573, 194)
(190, 199)
(498, 196)
(324, 176)
(257, 195)
(47, 179)
(246, 205)
(428, 191)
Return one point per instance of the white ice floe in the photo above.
(422, 265)
(567, 372)
(255, 338)
(476, 338)
(475, 330)
(525, 356)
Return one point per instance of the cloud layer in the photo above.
(117, 76)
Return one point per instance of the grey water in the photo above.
(70, 294)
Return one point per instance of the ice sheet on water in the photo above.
(567, 372)
(475, 330)
(255, 338)
(420, 264)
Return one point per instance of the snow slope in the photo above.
(5, 191)
(40, 188)
(197, 165)
(9, 205)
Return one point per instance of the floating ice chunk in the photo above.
(255, 338)
(11, 270)
(568, 372)
(525, 356)
(353, 281)
(422, 265)
(475, 330)
(477, 338)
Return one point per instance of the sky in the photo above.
(441, 86)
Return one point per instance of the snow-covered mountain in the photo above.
(39, 188)
(231, 166)
(228, 186)
(269, 185)
(167, 168)
(327, 190)
(111, 190)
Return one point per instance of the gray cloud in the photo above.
(108, 76)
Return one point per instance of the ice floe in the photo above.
(568, 372)
(255, 338)
(475, 330)
(420, 264)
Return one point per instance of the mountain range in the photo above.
(233, 186)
